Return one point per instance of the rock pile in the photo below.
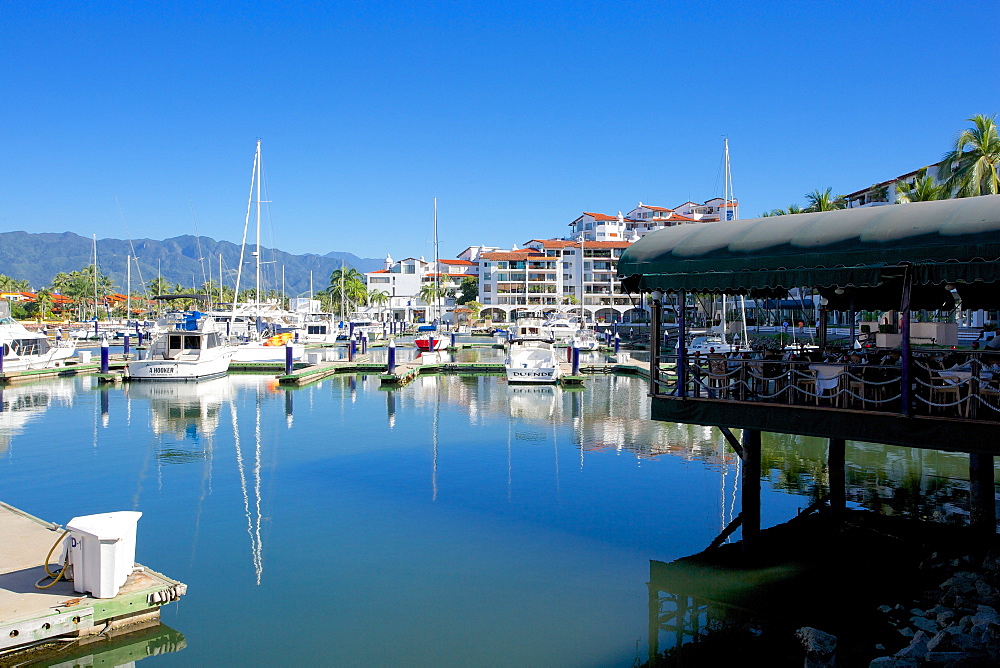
(955, 623)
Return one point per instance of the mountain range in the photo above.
(186, 260)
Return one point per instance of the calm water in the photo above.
(455, 521)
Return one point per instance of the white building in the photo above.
(551, 273)
(887, 192)
(404, 282)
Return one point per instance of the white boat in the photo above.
(192, 350)
(713, 343)
(531, 354)
(585, 339)
(24, 349)
(272, 349)
(564, 326)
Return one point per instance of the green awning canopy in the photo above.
(950, 241)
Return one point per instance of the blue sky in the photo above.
(517, 116)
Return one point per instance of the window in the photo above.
(379, 279)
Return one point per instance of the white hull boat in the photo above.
(531, 354)
(24, 350)
(191, 351)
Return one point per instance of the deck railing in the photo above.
(970, 390)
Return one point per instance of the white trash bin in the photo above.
(102, 551)
(84, 356)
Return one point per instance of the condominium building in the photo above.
(550, 273)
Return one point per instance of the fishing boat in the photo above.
(24, 349)
(192, 349)
(531, 354)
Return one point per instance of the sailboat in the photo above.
(431, 340)
(260, 348)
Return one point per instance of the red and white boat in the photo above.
(431, 341)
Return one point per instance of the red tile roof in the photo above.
(458, 262)
(600, 216)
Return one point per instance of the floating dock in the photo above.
(31, 617)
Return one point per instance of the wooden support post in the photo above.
(653, 632)
(982, 493)
(681, 344)
(731, 439)
(836, 471)
(904, 330)
(655, 309)
(750, 511)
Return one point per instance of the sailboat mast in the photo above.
(437, 271)
(246, 224)
(256, 298)
(95, 277)
(128, 287)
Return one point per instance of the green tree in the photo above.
(922, 190)
(159, 286)
(792, 209)
(972, 163)
(378, 298)
(824, 200)
(347, 289)
(469, 289)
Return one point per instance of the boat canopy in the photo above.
(859, 255)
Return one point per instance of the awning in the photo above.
(950, 241)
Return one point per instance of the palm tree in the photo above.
(974, 160)
(922, 190)
(378, 298)
(824, 201)
(347, 287)
(159, 286)
(792, 209)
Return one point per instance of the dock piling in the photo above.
(105, 354)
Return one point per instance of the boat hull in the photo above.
(533, 375)
(160, 369)
(258, 352)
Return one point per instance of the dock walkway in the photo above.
(29, 616)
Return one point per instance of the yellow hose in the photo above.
(49, 574)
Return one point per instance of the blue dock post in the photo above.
(576, 360)
(289, 361)
(58, 334)
(453, 339)
(364, 343)
(351, 343)
(97, 332)
(350, 330)
(391, 367)
(3, 349)
(618, 343)
(104, 356)
(128, 341)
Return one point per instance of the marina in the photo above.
(519, 520)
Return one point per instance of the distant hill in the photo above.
(39, 257)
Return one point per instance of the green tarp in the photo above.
(948, 241)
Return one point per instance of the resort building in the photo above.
(645, 218)
(551, 273)
(887, 192)
(406, 281)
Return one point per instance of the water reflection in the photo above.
(24, 403)
(119, 651)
